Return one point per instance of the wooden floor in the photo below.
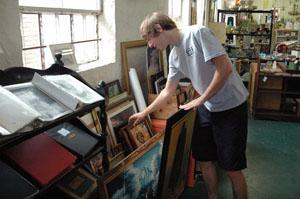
(273, 172)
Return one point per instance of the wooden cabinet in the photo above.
(274, 95)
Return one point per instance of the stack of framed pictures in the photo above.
(135, 136)
(136, 176)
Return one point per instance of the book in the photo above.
(41, 157)
(15, 114)
(26, 106)
(14, 185)
(48, 108)
(73, 138)
(67, 90)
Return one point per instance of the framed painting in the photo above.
(118, 118)
(96, 164)
(129, 179)
(113, 89)
(78, 184)
(134, 55)
(175, 155)
(91, 121)
(139, 134)
(118, 99)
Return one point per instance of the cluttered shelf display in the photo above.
(248, 31)
(45, 142)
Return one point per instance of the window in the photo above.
(45, 22)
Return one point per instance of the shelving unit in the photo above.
(263, 40)
(17, 75)
(274, 95)
(282, 35)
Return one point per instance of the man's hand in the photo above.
(192, 104)
(136, 118)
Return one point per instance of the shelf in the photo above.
(245, 11)
(276, 115)
(70, 170)
(276, 91)
(6, 141)
(249, 34)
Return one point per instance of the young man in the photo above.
(221, 126)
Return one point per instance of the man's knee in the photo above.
(205, 165)
(234, 174)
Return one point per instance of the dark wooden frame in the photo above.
(175, 155)
(112, 84)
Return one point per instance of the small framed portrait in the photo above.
(96, 164)
(139, 134)
(113, 89)
(118, 118)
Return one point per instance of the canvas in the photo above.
(118, 117)
(175, 155)
(137, 175)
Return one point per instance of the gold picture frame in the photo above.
(134, 54)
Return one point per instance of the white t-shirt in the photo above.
(192, 59)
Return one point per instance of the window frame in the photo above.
(60, 11)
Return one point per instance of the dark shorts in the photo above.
(222, 137)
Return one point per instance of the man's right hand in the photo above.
(136, 118)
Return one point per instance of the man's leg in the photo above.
(210, 178)
(239, 186)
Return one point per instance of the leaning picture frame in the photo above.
(129, 179)
(113, 89)
(118, 117)
(175, 155)
(134, 55)
(140, 133)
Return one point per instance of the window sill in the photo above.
(92, 65)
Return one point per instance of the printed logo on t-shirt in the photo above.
(189, 51)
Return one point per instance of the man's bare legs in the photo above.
(239, 186)
(210, 178)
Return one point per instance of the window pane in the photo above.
(64, 29)
(30, 30)
(79, 4)
(48, 57)
(91, 27)
(74, 4)
(41, 3)
(78, 28)
(32, 58)
(49, 29)
(85, 52)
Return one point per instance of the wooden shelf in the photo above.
(269, 93)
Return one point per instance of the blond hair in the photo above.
(147, 27)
